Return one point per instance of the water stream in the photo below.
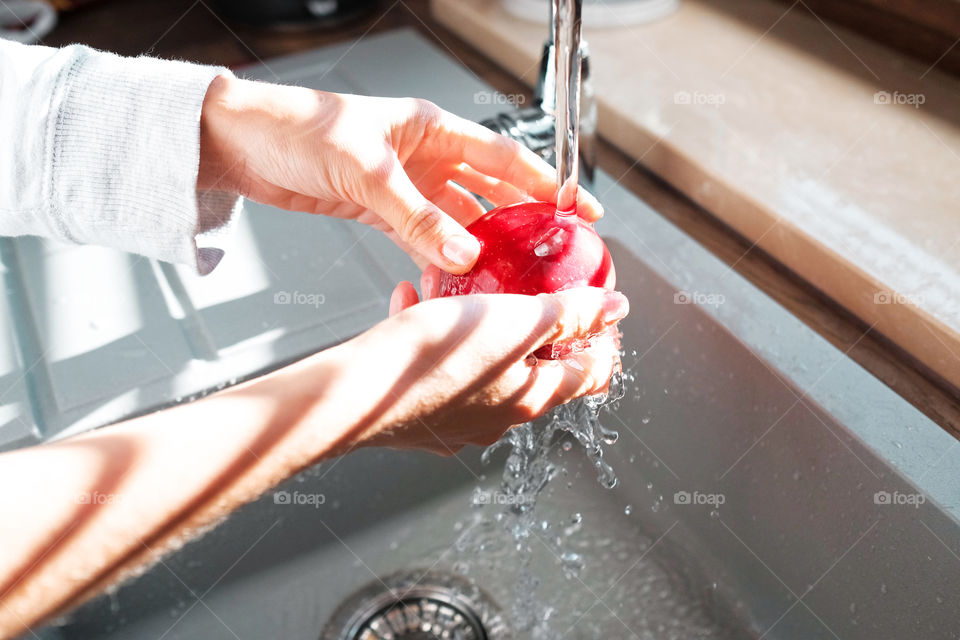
(514, 530)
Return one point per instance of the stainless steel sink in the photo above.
(768, 487)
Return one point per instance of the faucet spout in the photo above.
(536, 126)
(567, 15)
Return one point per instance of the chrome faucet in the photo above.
(535, 126)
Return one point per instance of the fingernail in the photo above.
(591, 202)
(615, 306)
(597, 208)
(461, 250)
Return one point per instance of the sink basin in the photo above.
(740, 511)
(768, 487)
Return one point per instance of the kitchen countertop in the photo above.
(179, 28)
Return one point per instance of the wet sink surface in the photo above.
(754, 459)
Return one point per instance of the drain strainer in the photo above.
(417, 605)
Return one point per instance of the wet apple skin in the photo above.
(571, 254)
(508, 261)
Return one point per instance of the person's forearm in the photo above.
(435, 376)
(98, 505)
(105, 503)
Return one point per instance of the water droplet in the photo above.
(714, 514)
(645, 420)
(898, 445)
(627, 509)
(655, 507)
(572, 564)
(567, 445)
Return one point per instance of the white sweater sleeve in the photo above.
(100, 149)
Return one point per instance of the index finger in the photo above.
(506, 159)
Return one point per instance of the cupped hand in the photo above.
(402, 165)
(461, 369)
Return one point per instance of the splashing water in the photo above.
(528, 468)
(527, 472)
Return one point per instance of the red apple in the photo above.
(529, 248)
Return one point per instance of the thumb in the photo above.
(423, 225)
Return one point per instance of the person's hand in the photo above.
(458, 370)
(403, 165)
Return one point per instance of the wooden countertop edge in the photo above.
(780, 238)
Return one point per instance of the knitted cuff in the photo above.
(125, 154)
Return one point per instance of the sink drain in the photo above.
(416, 605)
